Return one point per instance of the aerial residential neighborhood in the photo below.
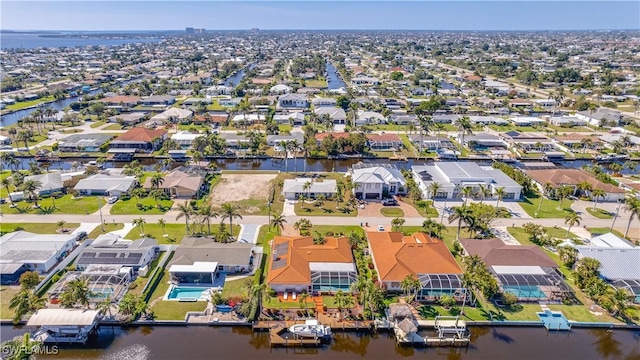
(298, 182)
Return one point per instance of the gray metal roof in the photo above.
(615, 263)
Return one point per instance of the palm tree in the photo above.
(396, 224)
(185, 210)
(460, 213)
(410, 284)
(229, 211)
(60, 224)
(464, 127)
(278, 222)
(596, 194)
(302, 299)
(619, 299)
(157, 180)
(466, 192)
(6, 183)
(104, 306)
(31, 187)
(633, 207)
(573, 218)
(482, 191)
(206, 211)
(139, 223)
(343, 301)
(162, 223)
(306, 187)
(568, 255)
(500, 193)
(434, 188)
(24, 302)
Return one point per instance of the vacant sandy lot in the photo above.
(237, 187)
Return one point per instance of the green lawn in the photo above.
(215, 106)
(6, 293)
(484, 311)
(327, 209)
(599, 213)
(392, 212)
(176, 310)
(96, 124)
(548, 209)
(175, 232)
(316, 84)
(38, 228)
(234, 288)
(523, 237)
(113, 127)
(140, 282)
(581, 313)
(265, 234)
(25, 104)
(64, 205)
(149, 207)
(285, 128)
(424, 207)
(107, 228)
(601, 231)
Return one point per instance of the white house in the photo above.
(595, 118)
(111, 249)
(280, 89)
(454, 176)
(173, 114)
(217, 90)
(335, 113)
(293, 188)
(365, 81)
(185, 138)
(369, 117)
(374, 182)
(320, 102)
(36, 252)
(293, 101)
(294, 118)
(104, 184)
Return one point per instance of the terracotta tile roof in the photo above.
(177, 179)
(494, 252)
(300, 251)
(557, 177)
(397, 256)
(342, 135)
(141, 134)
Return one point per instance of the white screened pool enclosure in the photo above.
(331, 277)
(102, 281)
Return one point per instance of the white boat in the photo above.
(311, 328)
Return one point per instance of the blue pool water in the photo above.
(525, 292)
(183, 292)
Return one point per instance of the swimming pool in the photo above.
(525, 292)
(187, 292)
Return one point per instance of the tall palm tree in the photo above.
(466, 193)
(24, 302)
(633, 207)
(104, 306)
(185, 211)
(410, 284)
(139, 223)
(500, 193)
(206, 211)
(343, 301)
(397, 224)
(6, 183)
(460, 213)
(278, 222)
(482, 191)
(595, 195)
(306, 187)
(434, 188)
(302, 300)
(229, 211)
(157, 180)
(162, 223)
(573, 218)
(464, 127)
(620, 301)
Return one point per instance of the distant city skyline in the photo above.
(320, 15)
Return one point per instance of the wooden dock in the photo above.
(276, 339)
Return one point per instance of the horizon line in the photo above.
(271, 29)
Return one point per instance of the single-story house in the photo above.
(567, 121)
(432, 143)
(185, 138)
(524, 271)
(365, 81)
(297, 264)
(335, 113)
(454, 176)
(293, 101)
(83, 142)
(140, 138)
(384, 142)
(573, 177)
(25, 251)
(280, 89)
(376, 181)
(111, 249)
(249, 118)
(484, 141)
(528, 142)
(527, 121)
(488, 120)
(395, 257)
(200, 260)
(128, 119)
(120, 102)
(294, 118)
(364, 117)
(173, 115)
(158, 100)
(105, 184)
(179, 184)
(51, 182)
(277, 140)
(293, 188)
(602, 114)
(321, 101)
(219, 90)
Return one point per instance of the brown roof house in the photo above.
(573, 177)
(140, 138)
(428, 259)
(178, 184)
(297, 264)
(525, 271)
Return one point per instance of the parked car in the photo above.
(380, 228)
(389, 202)
(81, 236)
(112, 200)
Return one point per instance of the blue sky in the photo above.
(419, 15)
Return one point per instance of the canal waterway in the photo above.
(495, 343)
(334, 81)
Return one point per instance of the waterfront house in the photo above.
(140, 138)
(179, 184)
(106, 184)
(159, 101)
(280, 89)
(528, 142)
(384, 142)
(200, 260)
(120, 102)
(395, 257)
(432, 143)
(377, 181)
(83, 142)
(173, 115)
(572, 177)
(365, 81)
(185, 139)
(51, 182)
(613, 253)
(293, 188)
(297, 265)
(277, 140)
(25, 251)
(322, 102)
(369, 118)
(128, 119)
(217, 90)
(293, 118)
(455, 176)
(483, 141)
(525, 271)
(111, 249)
(65, 326)
(293, 101)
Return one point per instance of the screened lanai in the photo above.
(103, 281)
(531, 283)
(631, 285)
(433, 286)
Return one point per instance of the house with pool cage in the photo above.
(103, 281)
(298, 265)
(524, 271)
(395, 257)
